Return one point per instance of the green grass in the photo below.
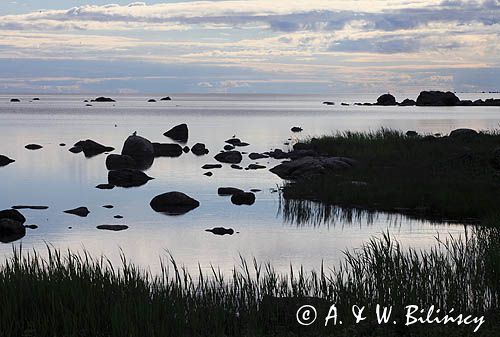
(439, 178)
(75, 295)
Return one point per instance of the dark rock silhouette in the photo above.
(255, 167)
(33, 147)
(179, 133)
(296, 129)
(208, 174)
(344, 104)
(211, 166)
(108, 206)
(31, 226)
(12, 214)
(128, 178)
(255, 156)
(173, 203)
(167, 150)
(15, 100)
(463, 133)
(90, 148)
(230, 157)
(228, 147)
(199, 149)
(114, 228)
(141, 149)
(225, 191)
(11, 230)
(411, 133)
(103, 99)
(407, 102)
(437, 98)
(35, 99)
(120, 161)
(166, 99)
(236, 167)
(4, 160)
(185, 149)
(328, 103)
(245, 198)
(220, 231)
(33, 207)
(386, 99)
(105, 186)
(151, 101)
(118, 216)
(79, 211)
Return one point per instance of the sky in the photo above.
(249, 46)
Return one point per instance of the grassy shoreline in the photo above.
(76, 295)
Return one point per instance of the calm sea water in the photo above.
(62, 180)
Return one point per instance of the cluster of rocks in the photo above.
(432, 98)
(11, 225)
(238, 196)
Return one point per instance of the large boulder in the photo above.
(463, 133)
(120, 161)
(437, 98)
(167, 150)
(311, 166)
(230, 157)
(386, 99)
(244, 198)
(199, 149)
(179, 133)
(141, 149)
(90, 148)
(173, 203)
(127, 178)
(12, 214)
(4, 160)
(11, 230)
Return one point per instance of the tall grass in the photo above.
(76, 295)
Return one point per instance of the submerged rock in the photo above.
(11, 230)
(437, 98)
(255, 167)
(120, 161)
(185, 149)
(140, 149)
(228, 147)
(128, 178)
(79, 211)
(114, 228)
(90, 148)
(236, 167)
(179, 133)
(211, 166)
(167, 150)
(105, 186)
(255, 156)
(244, 198)
(230, 157)
(173, 203)
(33, 146)
(31, 226)
(4, 160)
(225, 191)
(12, 214)
(30, 207)
(199, 149)
(103, 99)
(221, 231)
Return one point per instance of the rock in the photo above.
(11, 230)
(236, 167)
(103, 99)
(255, 190)
(166, 99)
(244, 198)
(33, 146)
(12, 214)
(178, 133)
(463, 133)
(233, 141)
(408, 102)
(114, 228)
(90, 148)
(386, 99)
(211, 166)
(108, 206)
(118, 216)
(167, 150)
(119, 161)
(492, 102)
(185, 149)
(277, 154)
(199, 149)
(208, 174)
(411, 133)
(255, 167)
(224, 191)
(255, 156)
(15, 100)
(79, 211)
(30, 207)
(141, 149)
(105, 186)
(62, 144)
(221, 231)
(88, 105)
(311, 166)
(4, 160)
(35, 99)
(437, 98)
(31, 226)
(296, 129)
(230, 157)
(328, 103)
(127, 178)
(173, 203)
(228, 147)
(151, 101)
(344, 104)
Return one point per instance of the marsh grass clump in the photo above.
(76, 295)
(438, 178)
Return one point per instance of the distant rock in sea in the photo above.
(437, 98)
(15, 100)
(4, 160)
(103, 99)
(386, 99)
(179, 133)
(166, 99)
